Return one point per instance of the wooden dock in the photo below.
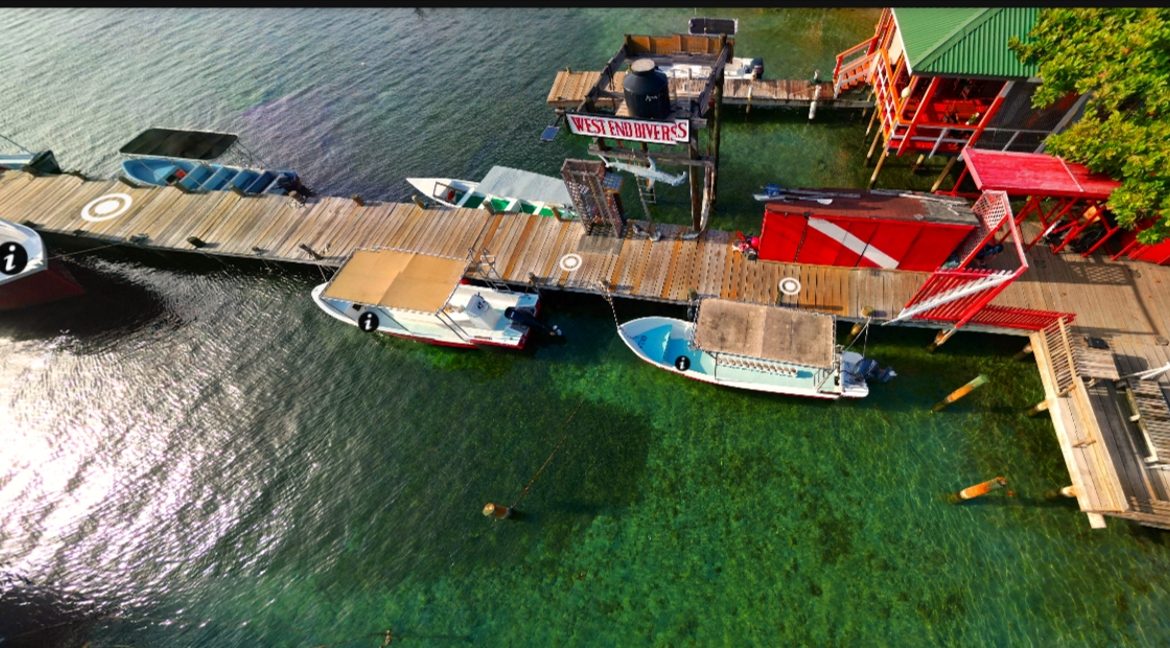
(569, 89)
(1124, 303)
(527, 249)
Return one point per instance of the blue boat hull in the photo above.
(192, 176)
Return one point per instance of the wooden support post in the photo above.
(873, 146)
(417, 200)
(358, 199)
(867, 313)
(696, 190)
(940, 339)
(1042, 406)
(981, 489)
(718, 132)
(1024, 352)
(945, 172)
(872, 119)
(878, 169)
(975, 382)
(497, 511)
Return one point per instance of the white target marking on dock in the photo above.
(106, 207)
(570, 262)
(789, 285)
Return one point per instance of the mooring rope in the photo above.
(10, 141)
(92, 249)
(564, 437)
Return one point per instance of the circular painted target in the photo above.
(106, 207)
(368, 322)
(13, 258)
(570, 262)
(789, 285)
(682, 363)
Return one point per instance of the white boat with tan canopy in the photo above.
(752, 346)
(425, 297)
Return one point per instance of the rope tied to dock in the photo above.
(564, 437)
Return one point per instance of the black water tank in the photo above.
(647, 90)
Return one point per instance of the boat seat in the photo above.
(219, 179)
(195, 177)
(261, 183)
(276, 187)
(244, 178)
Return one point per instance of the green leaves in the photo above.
(1121, 59)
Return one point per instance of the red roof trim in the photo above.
(1035, 174)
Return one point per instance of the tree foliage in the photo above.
(1120, 58)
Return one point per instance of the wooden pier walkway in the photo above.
(1105, 431)
(1124, 303)
(527, 249)
(569, 89)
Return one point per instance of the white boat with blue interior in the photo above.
(771, 349)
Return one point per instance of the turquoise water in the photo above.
(194, 455)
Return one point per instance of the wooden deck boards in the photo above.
(569, 88)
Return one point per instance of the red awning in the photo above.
(1035, 174)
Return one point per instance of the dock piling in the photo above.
(196, 242)
(981, 489)
(497, 511)
(975, 382)
(1042, 406)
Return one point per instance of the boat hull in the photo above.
(658, 339)
(426, 332)
(27, 276)
(40, 287)
(196, 177)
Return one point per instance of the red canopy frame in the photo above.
(1078, 194)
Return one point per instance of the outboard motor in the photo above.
(525, 317)
(868, 367)
(757, 68)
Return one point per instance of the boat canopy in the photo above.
(186, 144)
(394, 279)
(769, 332)
(525, 185)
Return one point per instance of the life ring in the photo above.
(790, 286)
(682, 363)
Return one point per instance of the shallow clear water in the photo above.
(194, 455)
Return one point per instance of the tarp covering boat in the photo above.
(394, 279)
(191, 145)
(525, 185)
(770, 332)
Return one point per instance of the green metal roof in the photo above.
(967, 41)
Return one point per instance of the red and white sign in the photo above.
(653, 132)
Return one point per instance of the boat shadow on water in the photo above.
(111, 308)
(32, 616)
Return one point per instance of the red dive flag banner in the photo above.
(654, 132)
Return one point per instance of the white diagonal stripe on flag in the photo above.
(851, 242)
